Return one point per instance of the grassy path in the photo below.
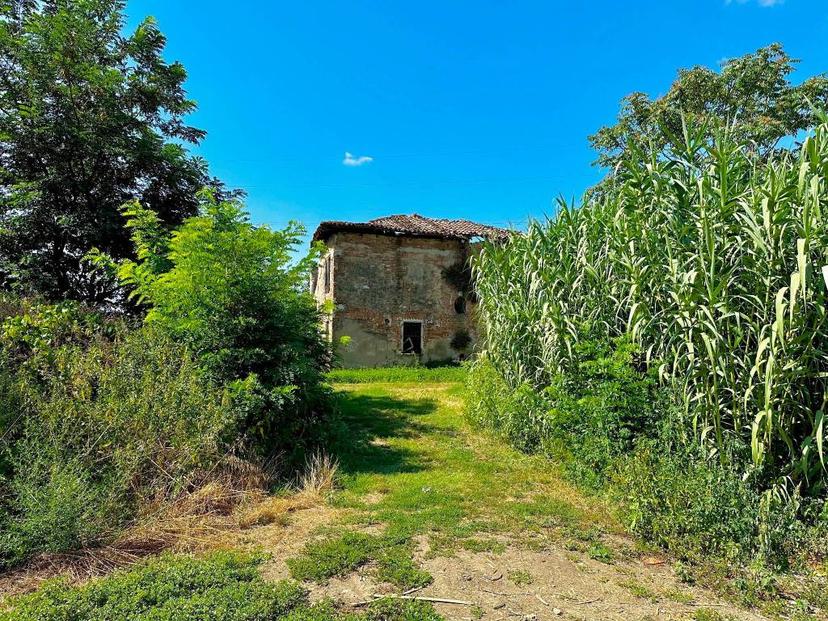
(427, 503)
(424, 506)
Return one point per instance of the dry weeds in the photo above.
(210, 515)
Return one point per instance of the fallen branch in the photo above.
(421, 598)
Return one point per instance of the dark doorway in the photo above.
(412, 337)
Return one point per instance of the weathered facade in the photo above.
(397, 288)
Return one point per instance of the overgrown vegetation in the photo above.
(193, 360)
(103, 417)
(667, 340)
(221, 587)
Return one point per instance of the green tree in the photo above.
(235, 294)
(90, 118)
(752, 94)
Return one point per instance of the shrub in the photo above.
(600, 410)
(689, 504)
(106, 428)
(233, 294)
(586, 418)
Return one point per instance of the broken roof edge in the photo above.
(414, 225)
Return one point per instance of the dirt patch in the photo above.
(285, 538)
(277, 525)
(530, 585)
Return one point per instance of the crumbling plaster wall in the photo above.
(379, 281)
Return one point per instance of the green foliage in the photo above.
(396, 565)
(586, 419)
(397, 374)
(599, 411)
(752, 94)
(694, 507)
(338, 556)
(222, 586)
(333, 557)
(231, 292)
(92, 117)
(100, 418)
(100, 421)
(675, 348)
(712, 264)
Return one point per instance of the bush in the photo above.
(599, 411)
(109, 427)
(586, 418)
(233, 294)
(689, 504)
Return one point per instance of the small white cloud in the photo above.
(354, 160)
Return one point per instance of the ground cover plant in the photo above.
(669, 336)
(219, 587)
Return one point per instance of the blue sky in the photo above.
(469, 109)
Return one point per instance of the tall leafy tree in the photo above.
(752, 95)
(90, 118)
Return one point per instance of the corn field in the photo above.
(714, 263)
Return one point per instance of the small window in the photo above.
(460, 305)
(412, 337)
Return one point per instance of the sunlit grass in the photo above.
(412, 467)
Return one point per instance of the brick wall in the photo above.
(379, 281)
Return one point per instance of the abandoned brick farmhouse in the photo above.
(399, 288)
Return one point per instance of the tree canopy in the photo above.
(752, 94)
(90, 118)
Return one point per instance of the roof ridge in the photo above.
(415, 225)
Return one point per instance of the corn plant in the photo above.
(714, 263)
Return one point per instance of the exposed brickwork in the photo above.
(379, 281)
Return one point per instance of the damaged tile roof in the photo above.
(414, 225)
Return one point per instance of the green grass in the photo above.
(520, 577)
(412, 467)
(220, 587)
(397, 374)
(339, 556)
(639, 590)
(708, 614)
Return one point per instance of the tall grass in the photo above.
(714, 264)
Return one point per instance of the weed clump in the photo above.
(338, 556)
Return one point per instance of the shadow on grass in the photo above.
(371, 421)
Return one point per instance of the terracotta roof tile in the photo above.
(414, 225)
